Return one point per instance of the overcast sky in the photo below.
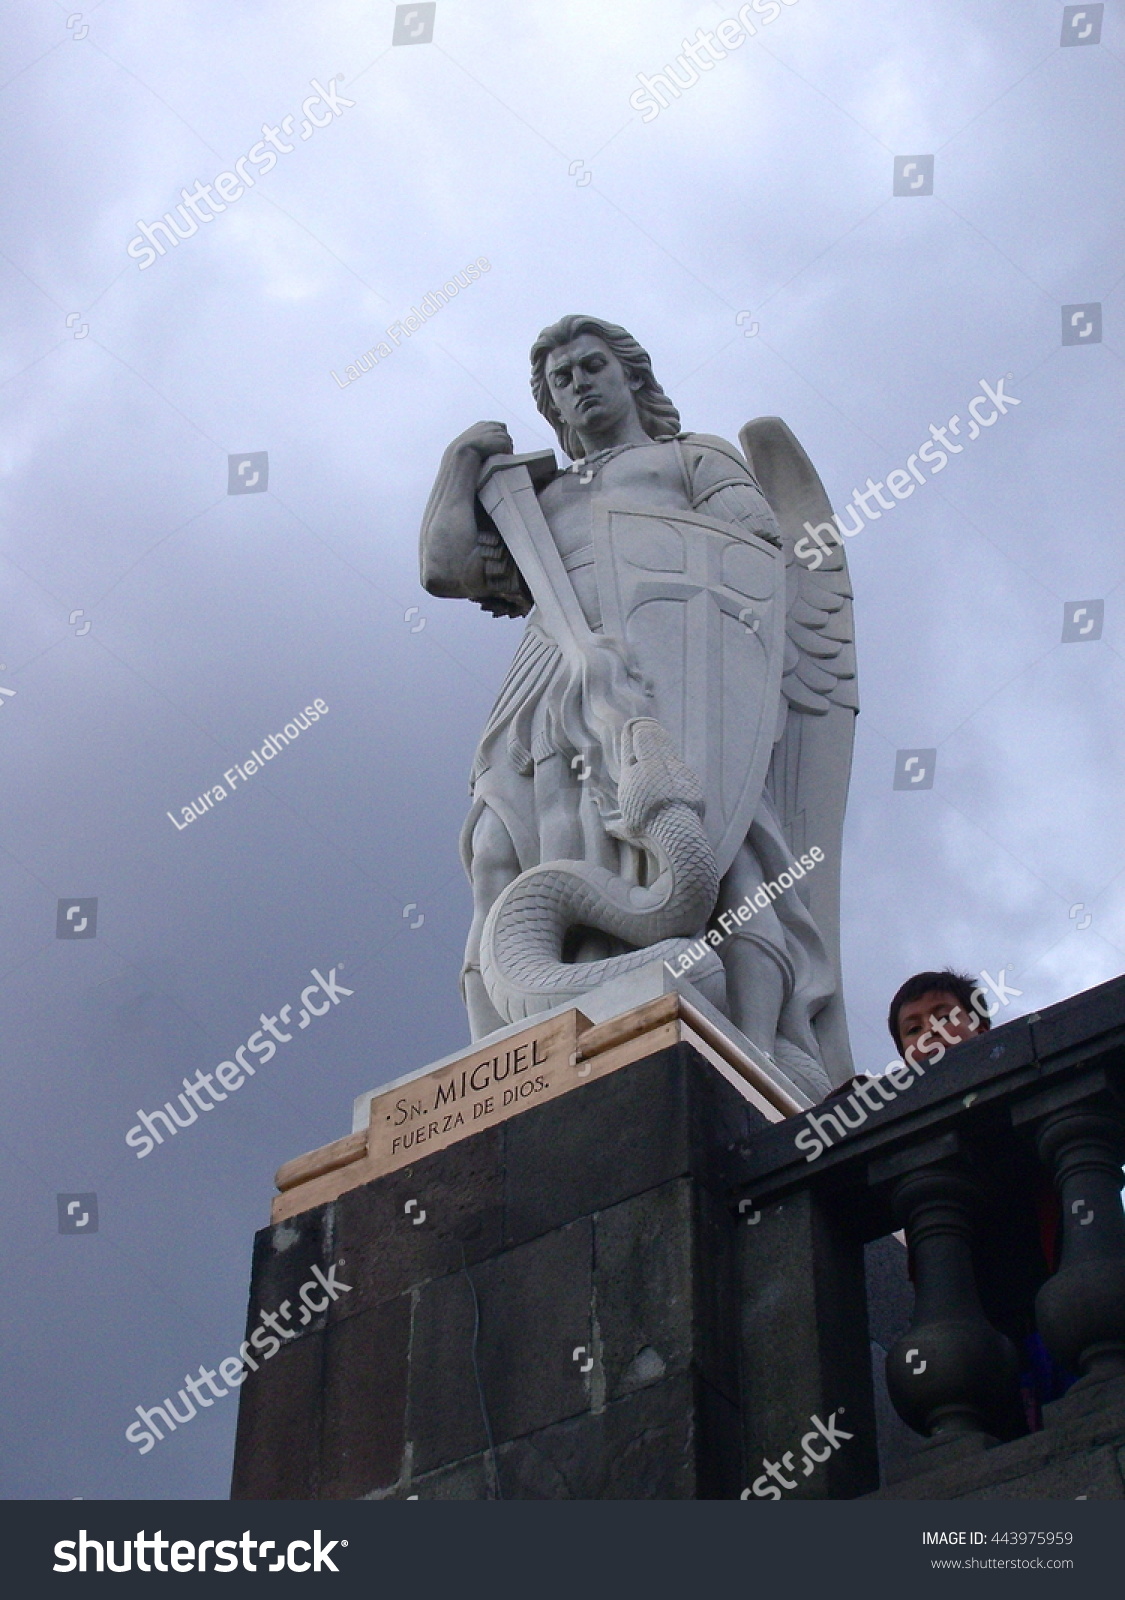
(155, 628)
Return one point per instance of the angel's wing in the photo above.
(812, 755)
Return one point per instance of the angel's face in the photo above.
(592, 390)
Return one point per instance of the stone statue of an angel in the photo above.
(664, 773)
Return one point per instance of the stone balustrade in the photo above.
(1002, 1166)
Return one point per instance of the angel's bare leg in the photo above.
(570, 829)
(756, 988)
(494, 866)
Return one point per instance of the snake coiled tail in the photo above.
(661, 804)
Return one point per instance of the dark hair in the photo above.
(658, 416)
(958, 984)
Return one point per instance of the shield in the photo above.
(700, 609)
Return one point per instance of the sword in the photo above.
(507, 491)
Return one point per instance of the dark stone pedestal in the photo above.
(554, 1317)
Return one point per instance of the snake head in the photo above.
(642, 738)
(652, 774)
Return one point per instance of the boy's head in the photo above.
(939, 1005)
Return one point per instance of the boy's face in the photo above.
(917, 1018)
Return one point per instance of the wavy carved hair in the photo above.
(658, 416)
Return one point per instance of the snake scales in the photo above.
(660, 800)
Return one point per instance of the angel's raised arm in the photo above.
(461, 556)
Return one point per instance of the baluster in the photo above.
(952, 1376)
(1081, 1310)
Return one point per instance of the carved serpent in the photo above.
(661, 803)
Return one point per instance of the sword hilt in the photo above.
(541, 466)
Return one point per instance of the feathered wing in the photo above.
(812, 757)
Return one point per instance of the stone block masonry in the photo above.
(543, 1310)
